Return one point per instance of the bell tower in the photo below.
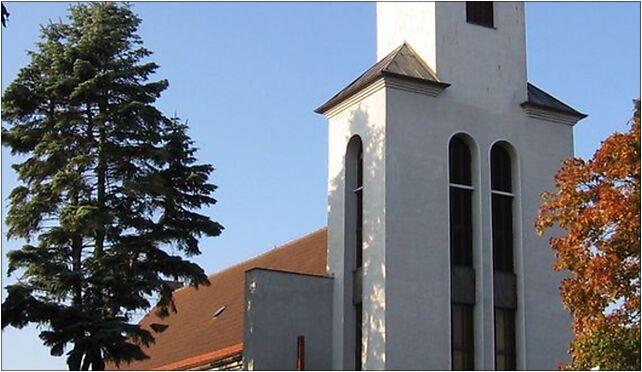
(481, 45)
(435, 167)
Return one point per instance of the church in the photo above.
(437, 156)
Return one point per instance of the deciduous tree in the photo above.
(597, 205)
(109, 190)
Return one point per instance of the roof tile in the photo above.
(192, 332)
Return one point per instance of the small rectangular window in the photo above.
(480, 13)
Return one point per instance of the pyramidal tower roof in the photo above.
(401, 63)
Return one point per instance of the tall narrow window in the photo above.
(503, 258)
(358, 190)
(461, 256)
(480, 13)
(461, 189)
(502, 209)
(354, 243)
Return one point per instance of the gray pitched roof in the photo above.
(540, 99)
(404, 63)
(401, 63)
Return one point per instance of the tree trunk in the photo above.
(101, 171)
(76, 260)
(97, 362)
(86, 363)
(74, 359)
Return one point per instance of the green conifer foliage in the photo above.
(108, 188)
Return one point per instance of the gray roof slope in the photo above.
(540, 99)
(402, 63)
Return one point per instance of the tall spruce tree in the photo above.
(108, 190)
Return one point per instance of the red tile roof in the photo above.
(194, 337)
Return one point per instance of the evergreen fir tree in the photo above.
(108, 188)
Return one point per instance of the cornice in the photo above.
(547, 114)
(392, 81)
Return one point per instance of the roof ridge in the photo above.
(391, 56)
(276, 248)
(279, 247)
(423, 63)
(409, 67)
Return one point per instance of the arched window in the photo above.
(461, 190)
(503, 257)
(354, 230)
(461, 255)
(502, 208)
(358, 191)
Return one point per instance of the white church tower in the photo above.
(437, 158)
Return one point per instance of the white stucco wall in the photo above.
(413, 22)
(417, 285)
(547, 325)
(490, 61)
(365, 118)
(406, 233)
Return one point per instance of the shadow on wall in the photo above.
(374, 270)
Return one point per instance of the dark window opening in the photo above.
(461, 227)
(463, 345)
(354, 225)
(461, 249)
(461, 221)
(503, 256)
(480, 13)
(502, 211)
(459, 162)
(502, 208)
(360, 167)
(358, 337)
(501, 177)
(358, 190)
(505, 358)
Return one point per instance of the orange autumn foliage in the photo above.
(597, 205)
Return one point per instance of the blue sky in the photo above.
(248, 75)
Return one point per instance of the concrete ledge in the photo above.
(547, 114)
